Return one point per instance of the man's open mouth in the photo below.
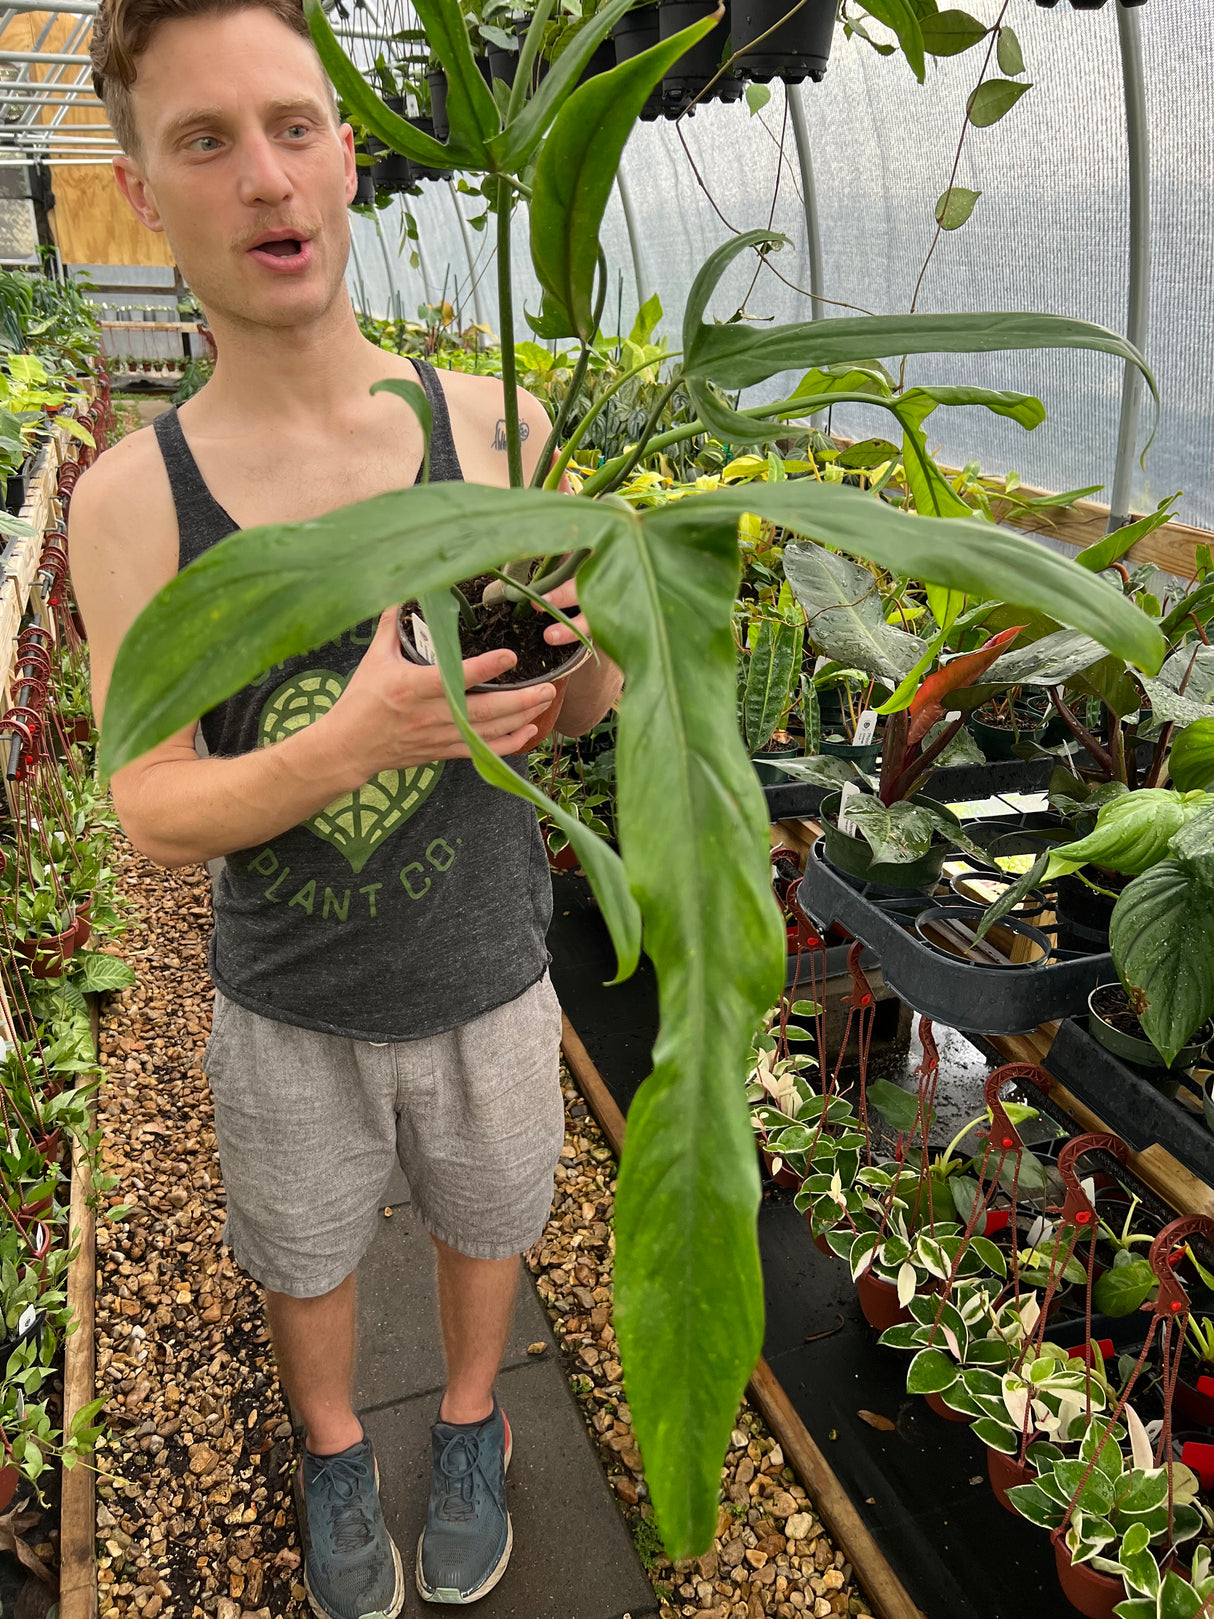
(291, 252)
(281, 250)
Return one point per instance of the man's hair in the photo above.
(123, 30)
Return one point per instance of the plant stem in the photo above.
(1081, 733)
(540, 475)
(505, 320)
(466, 610)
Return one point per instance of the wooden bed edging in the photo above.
(78, 1497)
(884, 1590)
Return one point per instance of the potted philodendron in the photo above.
(658, 588)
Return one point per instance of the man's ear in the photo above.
(346, 135)
(136, 190)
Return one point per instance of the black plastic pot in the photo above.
(998, 742)
(1083, 915)
(799, 48)
(863, 755)
(943, 928)
(422, 171)
(602, 61)
(437, 80)
(700, 65)
(768, 774)
(17, 487)
(391, 171)
(365, 194)
(635, 32)
(852, 857)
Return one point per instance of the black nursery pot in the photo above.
(799, 48)
(422, 171)
(365, 194)
(635, 32)
(391, 171)
(1136, 1048)
(853, 858)
(437, 80)
(700, 65)
(1083, 916)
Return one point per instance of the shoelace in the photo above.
(353, 1525)
(457, 1470)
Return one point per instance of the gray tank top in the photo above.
(405, 909)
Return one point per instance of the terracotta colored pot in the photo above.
(84, 924)
(1087, 1590)
(821, 1244)
(82, 729)
(785, 1177)
(936, 1402)
(8, 1486)
(48, 954)
(564, 860)
(1004, 1472)
(879, 1302)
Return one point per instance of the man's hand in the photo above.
(565, 597)
(394, 714)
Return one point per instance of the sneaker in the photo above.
(465, 1546)
(352, 1569)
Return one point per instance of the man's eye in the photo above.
(205, 143)
(298, 131)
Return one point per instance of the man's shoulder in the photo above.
(124, 501)
(482, 398)
(131, 468)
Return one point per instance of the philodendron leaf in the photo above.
(737, 355)
(689, 1296)
(1191, 760)
(1132, 832)
(463, 151)
(1115, 545)
(846, 616)
(1192, 667)
(1160, 935)
(99, 973)
(1050, 661)
(576, 171)
(895, 833)
(1169, 705)
(819, 770)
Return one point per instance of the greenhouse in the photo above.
(607, 861)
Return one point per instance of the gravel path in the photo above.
(198, 1518)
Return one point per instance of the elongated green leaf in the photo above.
(689, 1312)
(265, 594)
(901, 17)
(1191, 760)
(910, 683)
(600, 862)
(977, 558)
(471, 110)
(737, 355)
(899, 1108)
(994, 100)
(512, 150)
(772, 668)
(1115, 545)
(948, 33)
(954, 207)
(1160, 938)
(395, 131)
(1022, 408)
(1050, 661)
(1008, 53)
(846, 614)
(418, 401)
(575, 173)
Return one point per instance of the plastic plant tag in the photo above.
(1199, 1457)
(866, 728)
(820, 663)
(846, 825)
(1205, 1385)
(421, 639)
(28, 1316)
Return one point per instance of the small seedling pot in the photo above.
(937, 1404)
(558, 677)
(879, 1302)
(48, 954)
(1005, 1472)
(853, 858)
(1136, 1049)
(770, 775)
(1092, 1593)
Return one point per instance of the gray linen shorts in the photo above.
(308, 1124)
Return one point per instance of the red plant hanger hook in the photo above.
(1078, 1209)
(1003, 1135)
(1172, 1302)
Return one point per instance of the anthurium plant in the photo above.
(658, 588)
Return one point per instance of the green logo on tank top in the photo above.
(358, 822)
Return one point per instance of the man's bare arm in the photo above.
(179, 809)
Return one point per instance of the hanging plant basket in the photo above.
(422, 171)
(437, 80)
(47, 954)
(1089, 1591)
(391, 171)
(1005, 1472)
(798, 49)
(699, 66)
(637, 31)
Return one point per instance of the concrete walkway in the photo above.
(573, 1556)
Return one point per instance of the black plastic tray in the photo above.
(959, 784)
(979, 1000)
(1127, 1101)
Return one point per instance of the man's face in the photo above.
(243, 166)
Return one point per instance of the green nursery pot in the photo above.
(1134, 1048)
(768, 774)
(853, 858)
(997, 742)
(864, 755)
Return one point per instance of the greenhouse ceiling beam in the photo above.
(74, 8)
(1138, 315)
(45, 58)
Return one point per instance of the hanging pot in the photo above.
(84, 921)
(423, 171)
(784, 1176)
(937, 1404)
(699, 66)
(879, 1302)
(602, 61)
(47, 954)
(437, 80)
(1004, 1472)
(1094, 1594)
(799, 47)
(391, 171)
(364, 195)
(637, 31)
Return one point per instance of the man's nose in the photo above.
(263, 176)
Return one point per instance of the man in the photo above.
(380, 917)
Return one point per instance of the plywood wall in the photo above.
(92, 222)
